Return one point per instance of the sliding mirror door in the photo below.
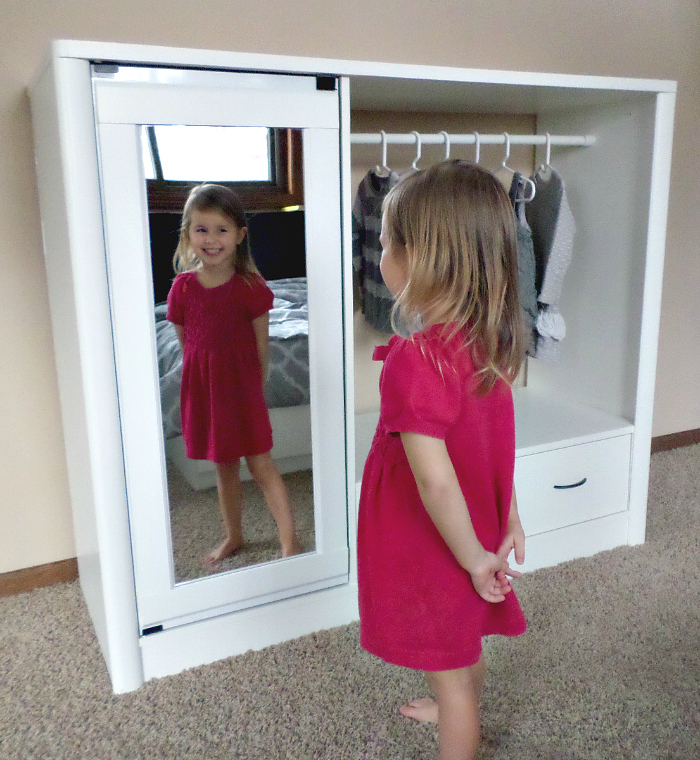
(274, 139)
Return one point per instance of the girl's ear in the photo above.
(242, 232)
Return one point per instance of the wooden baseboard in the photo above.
(675, 440)
(30, 578)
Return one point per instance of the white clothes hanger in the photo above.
(546, 166)
(446, 138)
(527, 180)
(419, 150)
(383, 169)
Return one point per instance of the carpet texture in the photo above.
(609, 669)
(197, 528)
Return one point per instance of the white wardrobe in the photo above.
(585, 417)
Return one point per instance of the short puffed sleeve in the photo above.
(420, 391)
(176, 301)
(259, 298)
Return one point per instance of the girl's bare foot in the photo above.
(227, 548)
(424, 710)
(293, 548)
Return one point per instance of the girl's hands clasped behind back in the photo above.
(490, 577)
(444, 501)
(514, 541)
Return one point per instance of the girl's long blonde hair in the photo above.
(457, 225)
(222, 200)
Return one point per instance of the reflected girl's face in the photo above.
(214, 238)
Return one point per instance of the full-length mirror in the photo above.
(275, 139)
(264, 167)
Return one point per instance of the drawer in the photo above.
(573, 484)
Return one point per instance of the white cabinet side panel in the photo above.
(74, 249)
(54, 222)
(651, 315)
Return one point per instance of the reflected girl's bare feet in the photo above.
(424, 710)
(227, 548)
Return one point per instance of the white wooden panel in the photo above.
(246, 587)
(572, 484)
(573, 542)
(130, 284)
(204, 78)
(326, 365)
(135, 103)
(651, 312)
(176, 649)
(346, 201)
(602, 296)
(544, 421)
(74, 250)
(567, 90)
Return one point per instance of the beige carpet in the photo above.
(609, 670)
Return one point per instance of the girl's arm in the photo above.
(443, 500)
(515, 536)
(261, 327)
(179, 329)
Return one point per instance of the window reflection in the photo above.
(215, 154)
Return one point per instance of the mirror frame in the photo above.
(121, 107)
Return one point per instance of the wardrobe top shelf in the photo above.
(396, 86)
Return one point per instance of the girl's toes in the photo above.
(424, 710)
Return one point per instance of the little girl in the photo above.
(219, 305)
(438, 515)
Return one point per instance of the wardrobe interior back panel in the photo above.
(608, 189)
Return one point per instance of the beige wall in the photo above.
(640, 38)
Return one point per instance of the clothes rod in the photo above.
(409, 138)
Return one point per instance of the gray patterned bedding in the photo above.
(288, 377)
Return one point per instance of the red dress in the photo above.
(222, 404)
(418, 607)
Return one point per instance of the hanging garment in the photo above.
(373, 296)
(553, 229)
(526, 262)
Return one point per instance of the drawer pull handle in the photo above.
(573, 485)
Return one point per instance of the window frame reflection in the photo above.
(285, 189)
